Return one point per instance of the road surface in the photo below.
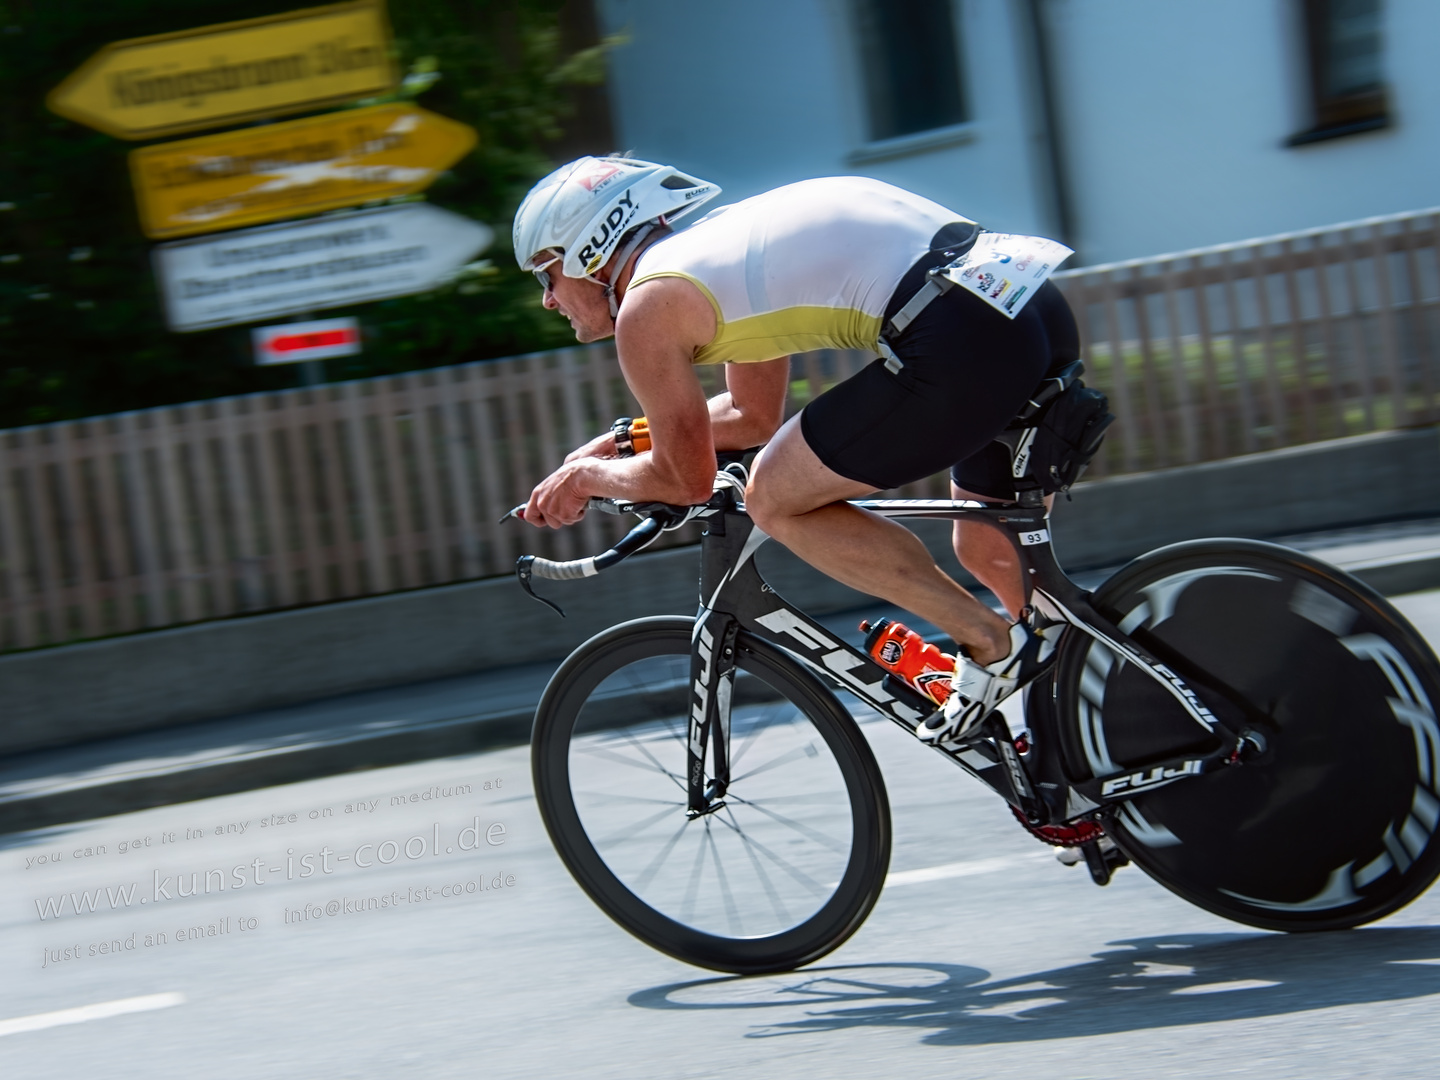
(437, 936)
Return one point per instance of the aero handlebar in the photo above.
(633, 541)
(658, 518)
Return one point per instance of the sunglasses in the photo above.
(542, 272)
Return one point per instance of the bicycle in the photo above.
(1250, 727)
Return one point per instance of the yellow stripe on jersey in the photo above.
(774, 334)
(791, 330)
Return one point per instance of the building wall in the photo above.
(756, 93)
(1173, 116)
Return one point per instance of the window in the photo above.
(912, 72)
(1346, 79)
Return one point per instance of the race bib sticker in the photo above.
(1039, 536)
(1006, 269)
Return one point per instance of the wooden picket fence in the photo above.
(167, 516)
(1268, 343)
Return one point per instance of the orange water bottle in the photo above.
(898, 649)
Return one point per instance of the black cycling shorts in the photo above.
(967, 371)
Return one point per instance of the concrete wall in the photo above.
(145, 681)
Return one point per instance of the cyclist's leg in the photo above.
(967, 370)
(988, 552)
(797, 500)
(984, 549)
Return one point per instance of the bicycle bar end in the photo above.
(523, 570)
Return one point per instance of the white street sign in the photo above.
(294, 343)
(254, 274)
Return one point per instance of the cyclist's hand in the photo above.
(557, 500)
(602, 446)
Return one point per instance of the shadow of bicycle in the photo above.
(1132, 985)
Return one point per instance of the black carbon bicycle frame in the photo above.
(735, 597)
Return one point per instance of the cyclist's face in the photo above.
(579, 300)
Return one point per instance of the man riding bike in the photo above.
(826, 263)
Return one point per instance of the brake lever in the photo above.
(524, 567)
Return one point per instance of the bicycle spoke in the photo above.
(754, 732)
(632, 831)
(795, 872)
(804, 830)
(755, 878)
(624, 796)
(808, 750)
(664, 853)
(656, 687)
(630, 737)
(635, 763)
(777, 905)
(731, 913)
(801, 797)
(692, 891)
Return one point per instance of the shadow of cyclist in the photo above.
(1133, 985)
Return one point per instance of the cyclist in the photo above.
(823, 263)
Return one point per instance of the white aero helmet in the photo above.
(585, 207)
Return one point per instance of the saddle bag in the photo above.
(1067, 436)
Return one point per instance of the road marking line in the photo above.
(90, 1012)
(1225, 987)
(960, 869)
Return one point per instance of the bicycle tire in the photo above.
(768, 883)
(1333, 825)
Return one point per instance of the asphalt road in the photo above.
(984, 957)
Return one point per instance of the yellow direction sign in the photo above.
(289, 170)
(145, 88)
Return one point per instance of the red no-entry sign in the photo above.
(294, 342)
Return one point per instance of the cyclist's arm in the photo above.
(747, 414)
(661, 325)
(753, 406)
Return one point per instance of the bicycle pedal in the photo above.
(1073, 856)
(1101, 857)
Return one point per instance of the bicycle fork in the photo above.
(712, 688)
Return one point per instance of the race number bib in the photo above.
(1006, 269)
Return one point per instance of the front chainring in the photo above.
(1070, 834)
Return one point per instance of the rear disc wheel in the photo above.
(1334, 824)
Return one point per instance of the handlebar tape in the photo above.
(575, 569)
(564, 571)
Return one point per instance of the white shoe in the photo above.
(976, 690)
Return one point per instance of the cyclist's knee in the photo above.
(763, 506)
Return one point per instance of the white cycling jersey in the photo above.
(806, 266)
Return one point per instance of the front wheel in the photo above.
(783, 873)
(1334, 824)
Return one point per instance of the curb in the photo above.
(228, 774)
(1415, 572)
